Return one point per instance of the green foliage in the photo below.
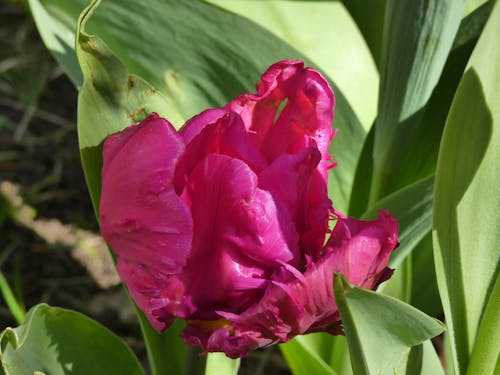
(467, 203)
(56, 341)
(198, 55)
(381, 330)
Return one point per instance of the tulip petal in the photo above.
(295, 304)
(197, 123)
(306, 117)
(142, 218)
(361, 249)
(225, 136)
(240, 237)
(291, 179)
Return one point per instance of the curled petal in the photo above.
(197, 123)
(361, 249)
(240, 236)
(293, 107)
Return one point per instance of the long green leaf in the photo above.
(467, 199)
(413, 158)
(418, 36)
(380, 330)
(57, 342)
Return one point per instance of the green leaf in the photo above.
(304, 354)
(58, 34)
(418, 36)
(380, 330)
(369, 16)
(56, 341)
(431, 364)
(414, 215)
(16, 308)
(413, 159)
(485, 355)
(467, 200)
(313, 28)
(219, 364)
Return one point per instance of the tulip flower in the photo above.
(226, 222)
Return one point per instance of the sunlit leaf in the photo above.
(313, 28)
(58, 342)
(467, 202)
(418, 36)
(219, 364)
(369, 16)
(380, 330)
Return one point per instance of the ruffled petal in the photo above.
(291, 179)
(225, 136)
(361, 249)
(293, 107)
(240, 237)
(197, 123)
(161, 297)
(148, 226)
(300, 303)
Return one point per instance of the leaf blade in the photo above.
(467, 191)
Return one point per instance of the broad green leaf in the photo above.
(467, 198)
(418, 36)
(314, 28)
(380, 330)
(303, 355)
(200, 56)
(57, 342)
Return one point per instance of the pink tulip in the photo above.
(225, 223)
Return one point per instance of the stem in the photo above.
(195, 362)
